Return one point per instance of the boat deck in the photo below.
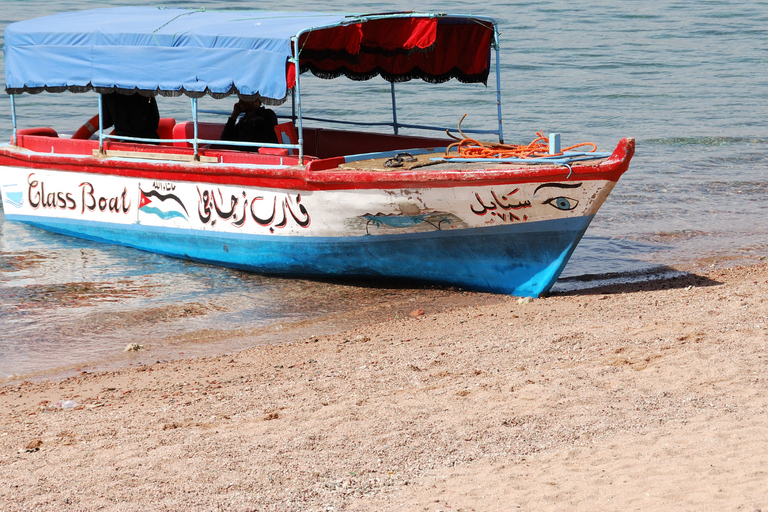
(435, 161)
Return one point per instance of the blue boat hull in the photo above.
(517, 259)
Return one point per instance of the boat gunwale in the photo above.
(321, 174)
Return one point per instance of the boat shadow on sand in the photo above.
(656, 279)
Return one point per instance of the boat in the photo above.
(322, 202)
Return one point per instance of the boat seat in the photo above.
(44, 131)
(186, 130)
(165, 128)
(286, 134)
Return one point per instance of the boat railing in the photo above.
(192, 141)
(195, 141)
(394, 125)
(397, 126)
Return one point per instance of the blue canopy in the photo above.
(196, 52)
(157, 51)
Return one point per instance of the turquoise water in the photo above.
(686, 79)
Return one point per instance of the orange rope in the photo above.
(539, 147)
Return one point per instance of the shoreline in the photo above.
(372, 304)
(640, 395)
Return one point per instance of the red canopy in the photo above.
(400, 49)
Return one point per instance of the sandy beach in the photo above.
(650, 396)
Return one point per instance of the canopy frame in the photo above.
(481, 19)
(294, 60)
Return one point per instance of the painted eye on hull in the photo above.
(562, 203)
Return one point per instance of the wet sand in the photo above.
(638, 396)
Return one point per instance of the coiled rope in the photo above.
(467, 147)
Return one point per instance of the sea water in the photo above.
(686, 79)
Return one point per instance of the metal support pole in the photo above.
(13, 118)
(194, 121)
(394, 106)
(101, 125)
(297, 98)
(498, 81)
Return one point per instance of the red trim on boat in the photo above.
(239, 169)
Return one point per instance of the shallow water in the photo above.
(686, 79)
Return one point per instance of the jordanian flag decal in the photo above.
(165, 206)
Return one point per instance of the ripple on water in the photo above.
(73, 295)
(703, 141)
(21, 261)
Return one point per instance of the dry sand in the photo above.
(638, 397)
